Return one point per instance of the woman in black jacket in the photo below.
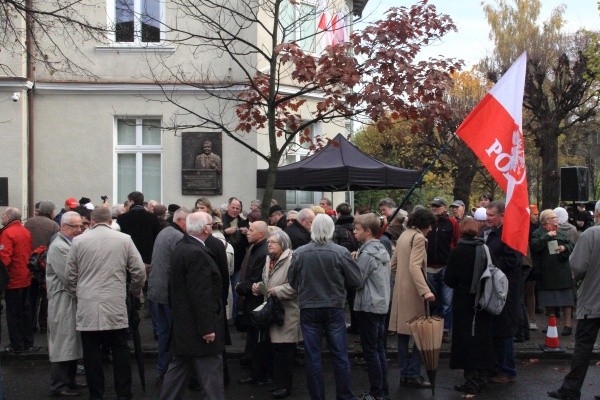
(472, 349)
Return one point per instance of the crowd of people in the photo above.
(200, 268)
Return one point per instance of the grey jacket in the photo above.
(374, 294)
(158, 280)
(321, 273)
(585, 264)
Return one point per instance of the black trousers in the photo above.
(283, 363)
(259, 350)
(39, 305)
(585, 337)
(63, 374)
(18, 318)
(116, 340)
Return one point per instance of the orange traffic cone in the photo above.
(552, 343)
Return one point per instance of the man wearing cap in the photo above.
(458, 210)
(42, 228)
(277, 217)
(440, 240)
(70, 205)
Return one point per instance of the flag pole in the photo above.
(418, 183)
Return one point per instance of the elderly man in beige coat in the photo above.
(97, 269)
(410, 291)
(64, 342)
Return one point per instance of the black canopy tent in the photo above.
(340, 167)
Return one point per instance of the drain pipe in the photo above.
(29, 48)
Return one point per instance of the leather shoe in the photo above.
(556, 394)
(247, 381)
(265, 382)
(282, 393)
(66, 392)
(417, 382)
(79, 386)
(567, 330)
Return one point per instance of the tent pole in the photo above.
(419, 181)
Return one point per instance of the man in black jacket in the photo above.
(195, 293)
(299, 230)
(504, 326)
(250, 276)
(141, 225)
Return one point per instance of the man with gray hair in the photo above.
(158, 285)
(320, 272)
(299, 230)
(195, 293)
(64, 342)
(42, 228)
(585, 265)
(15, 249)
(97, 269)
(386, 208)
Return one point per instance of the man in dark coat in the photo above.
(195, 293)
(299, 230)
(235, 228)
(504, 326)
(217, 250)
(141, 225)
(251, 274)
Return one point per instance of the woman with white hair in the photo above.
(550, 249)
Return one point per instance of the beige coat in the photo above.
(97, 272)
(289, 332)
(410, 259)
(64, 342)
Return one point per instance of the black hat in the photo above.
(274, 208)
(84, 200)
(174, 207)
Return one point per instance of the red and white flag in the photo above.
(493, 130)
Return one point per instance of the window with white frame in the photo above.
(138, 157)
(136, 22)
(298, 22)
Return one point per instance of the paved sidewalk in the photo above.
(530, 349)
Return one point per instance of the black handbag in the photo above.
(268, 313)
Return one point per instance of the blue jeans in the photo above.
(504, 350)
(372, 334)
(443, 297)
(410, 364)
(331, 321)
(163, 318)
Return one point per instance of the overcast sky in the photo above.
(471, 42)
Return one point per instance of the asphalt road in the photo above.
(28, 380)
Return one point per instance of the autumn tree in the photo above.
(559, 81)
(268, 67)
(416, 143)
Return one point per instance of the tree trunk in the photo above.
(463, 179)
(269, 187)
(548, 140)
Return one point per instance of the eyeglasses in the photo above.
(435, 205)
(75, 226)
